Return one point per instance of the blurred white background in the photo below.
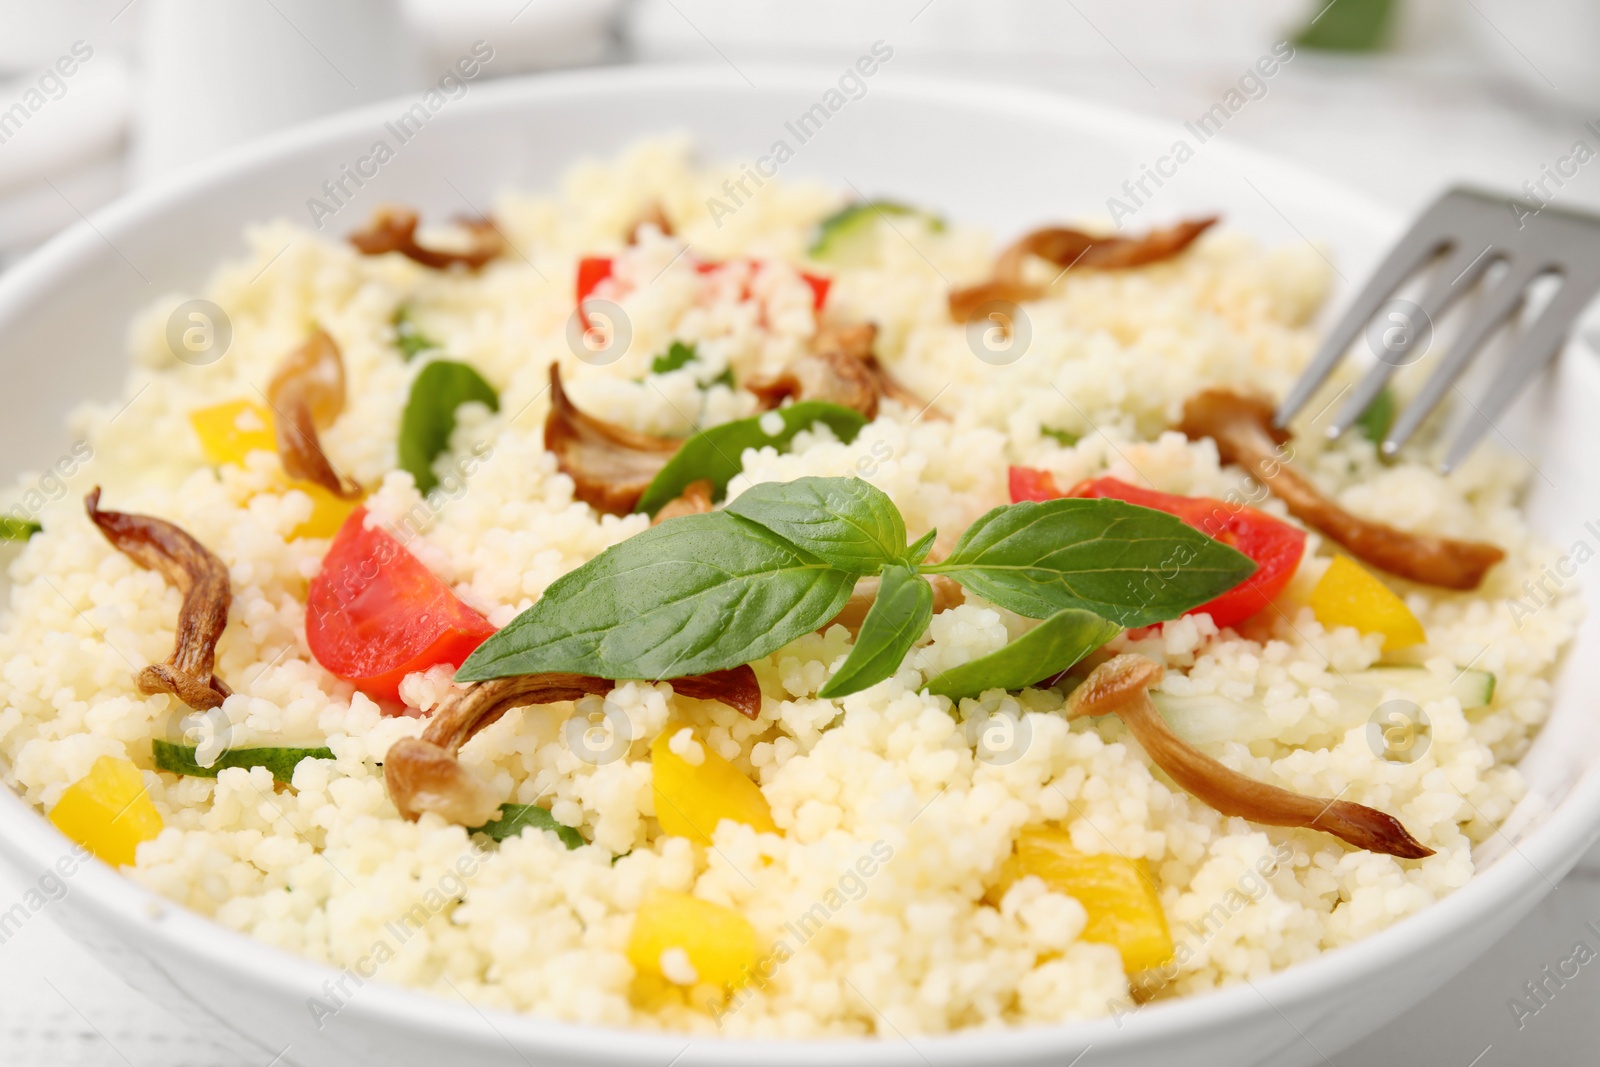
(1396, 98)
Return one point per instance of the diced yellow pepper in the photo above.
(328, 511)
(720, 943)
(1346, 595)
(108, 811)
(232, 430)
(691, 799)
(1124, 910)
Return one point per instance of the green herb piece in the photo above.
(917, 552)
(1374, 422)
(1043, 652)
(893, 623)
(701, 593)
(183, 759)
(1132, 565)
(845, 522)
(715, 453)
(1066, 439)
(514, 818)
(430, 415)
(17, 529)
(848, 236)
(408, 336)
(1347, 25)
(678, 356)
(725, 378)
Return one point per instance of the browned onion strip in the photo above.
(425, 774)
(201, 577)
(1068, 248)
(393, 228)
(307, 394)
(1120, 686)
(1242, 427)
(655, 214)
(841, 368)
(736, 687)
(694, 500)
(610, 466)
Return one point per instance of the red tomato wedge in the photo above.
(592, 270)
(375, 614)
(1275, 546)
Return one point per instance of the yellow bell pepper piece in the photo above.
(108, 811)
(691, 799)
(328, 511)
(232, 430)
(720, 944)
(1124, 910)
(1346, 595)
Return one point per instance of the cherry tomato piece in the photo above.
(375, 614)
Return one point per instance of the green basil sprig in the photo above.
(430, 415)
(1043, 652)
(514, 818)
(715, 453)
(708, 592)
(408, 336)
(1132, 565)
(184, 759)
(894, 622)
(12, 529)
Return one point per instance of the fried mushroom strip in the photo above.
(694, 500)
(393, 228)
(610, 466)
(425, 773)
(1120, 686)
(1068, 248)
(841, 368)
(201, 577)
(307, 394)
(1242, 428)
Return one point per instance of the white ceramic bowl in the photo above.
(998, 156)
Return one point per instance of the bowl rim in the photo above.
(31, 843)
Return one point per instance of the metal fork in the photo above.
(1466, 231)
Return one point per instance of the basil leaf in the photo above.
(676, 357)
(408, 337)
(515, 817)
(700, 593)
(1044, 651)
(183, 759)
(430, 415)
(1065, 438)
(893, 623)
(1374, 422)
(1129, 564)
(845, 522)
(17, 529)
(716, 453)
(918, 552)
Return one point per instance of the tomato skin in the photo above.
(592, 270)
(1028, 483)
(375, 614)
(819, 289)
(1275, 546)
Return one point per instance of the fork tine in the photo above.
(1533, 351)
(1413, 250)
(1497, 306)
(1455, 276)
